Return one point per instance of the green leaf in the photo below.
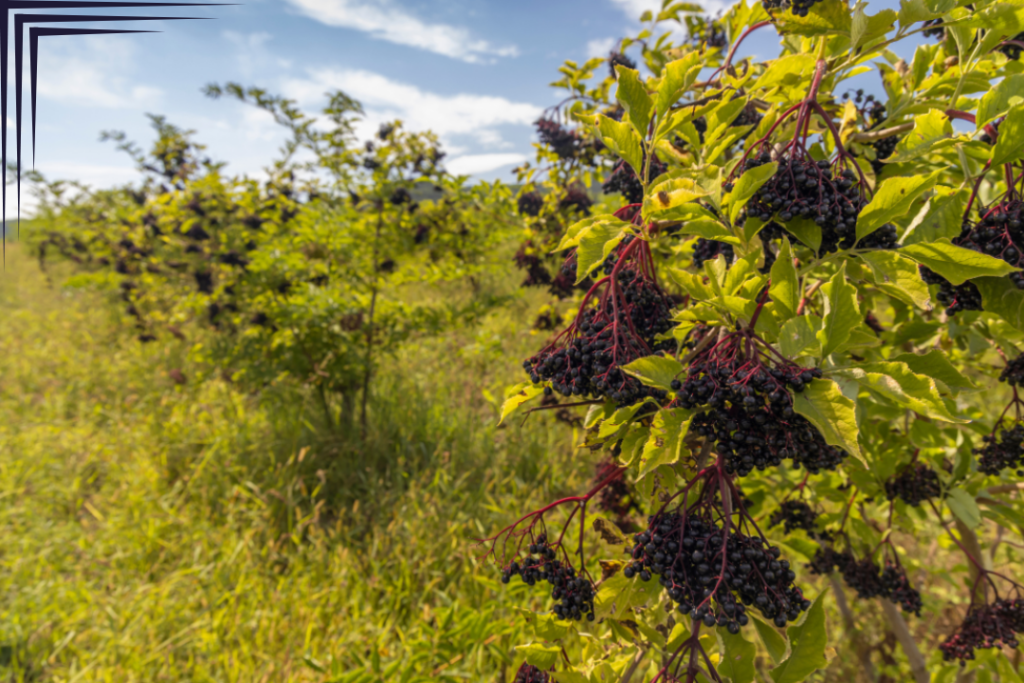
(897, 276)
(774, 642)
(892, 200)
(954, 263)
(747, 185)
(913, 11)
(808, 641)
(655, 371)
(825, 406)
(935, 364)
(1000, 296)
(929, 129)
(843, 313)
(709, 229)
(799, 334)
(807, 231)
(790, 70)
(632, 95)
(943, 216)
(619, 595)
(666, 443)
(865, 29)
(1010, 143)
(737, 657)
(669, 194)
(830, 17)
(997, 101)
(963, 505)
(595, 244)
(900, 384)
(676, 77)
(517, 396)
(539, 655)
(623, 140)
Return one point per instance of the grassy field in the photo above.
(159, 531)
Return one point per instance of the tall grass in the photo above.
(153, 531)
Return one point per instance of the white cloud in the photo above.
(600, 47)
(449, 116)
(634, 8)
(251, 51)
(92, 71)
(471, 164)
(385, 20)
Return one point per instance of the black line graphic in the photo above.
(34, 34)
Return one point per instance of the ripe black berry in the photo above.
(1013, 373)
(619, 59)
(708, 250)
(562, 141)
(623, 179)
(530, 204)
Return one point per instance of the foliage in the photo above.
(315, 274)
(803, 373)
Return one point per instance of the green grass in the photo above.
(158, 532)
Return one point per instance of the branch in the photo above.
(899, 626)
(858, 640)
(881, 134)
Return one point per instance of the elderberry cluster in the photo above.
(752, 417)
(804, 188)
(530, 204)
(800, 7)
(915, 484)
(1013, 373)
(715, 577)
(528, 673)
(588, 364)
(992, 625)
(864, 577)
(623, 179)
(574, 595)
(795, 514)
(935, 29)
(708, 250)
(956, 298)
(528, 259)
(1003, 452)
(562, 141)
(619, 59)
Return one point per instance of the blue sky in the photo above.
(474, 71)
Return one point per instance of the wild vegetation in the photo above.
(743, 345)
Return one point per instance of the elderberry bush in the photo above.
(573, 594)
(812, 190)
(752, 419)
(1005, 451)
(795, 514)
(528, 673)
(915, 484)
(715, 577)
(992, 625)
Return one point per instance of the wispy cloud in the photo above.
(450, 116)
(386, 20)
(634, 8)
(600, 47)
(93, 71)
(472, 164)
